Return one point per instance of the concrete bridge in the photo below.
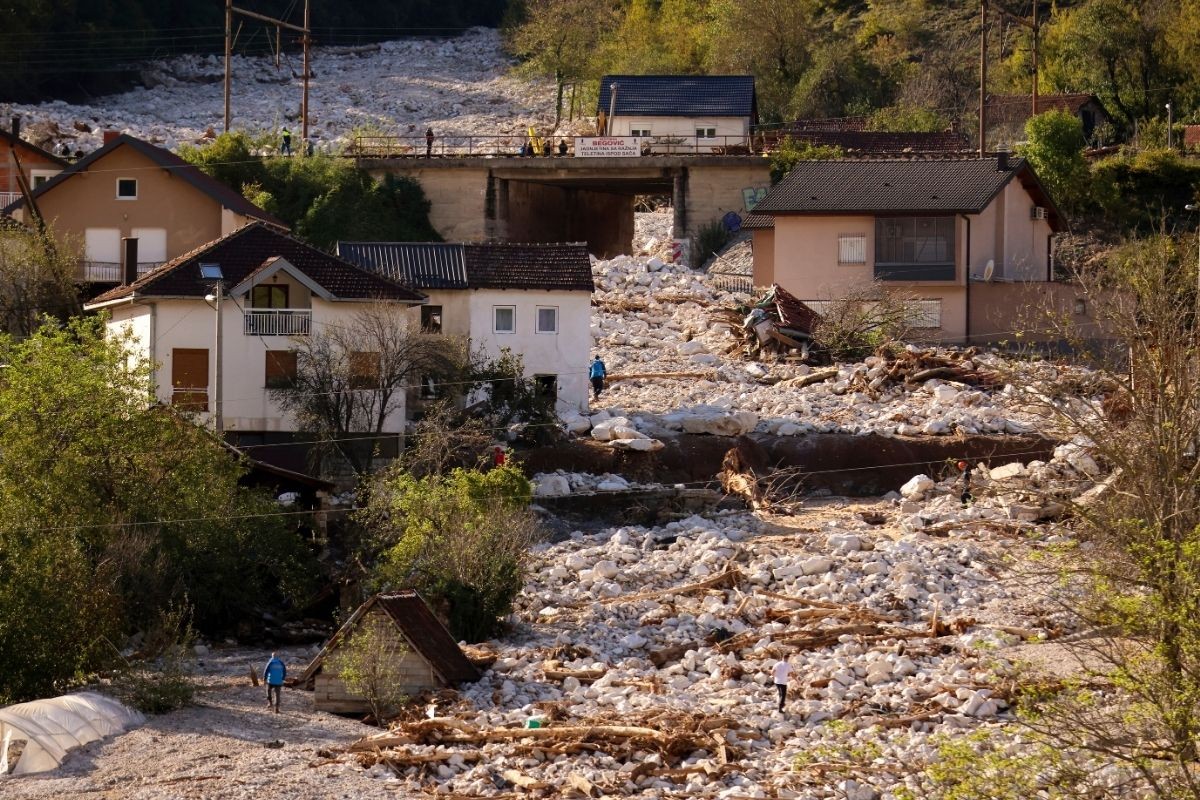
(567, 199)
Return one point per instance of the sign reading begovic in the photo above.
(607, 146)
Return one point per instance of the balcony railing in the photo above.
(914, 272)
(501, 145)
(278, 321)
(190, 398)
(110, 271)
(8, 198)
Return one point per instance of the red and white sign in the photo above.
(607, 146)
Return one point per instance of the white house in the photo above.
(534, 299)
(712, 110)
(275, 287)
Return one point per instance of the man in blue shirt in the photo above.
(273, 674)
(597, 373)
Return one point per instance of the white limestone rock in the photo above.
(917, 487)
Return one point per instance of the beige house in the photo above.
(275, 287)
(130, 188)
(680, 112)
(430, 657)
(533, 299)
(937, 230)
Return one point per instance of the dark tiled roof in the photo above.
(8, 139)
(422, 264)
(885, 143)
(831, 124)
(476, 266)
(218, 191)
(755, 222)
(420, 627)
(902, 185)
(1009, 108)
(681, 95)
(244, 251)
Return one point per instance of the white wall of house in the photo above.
(679, 126)
(564, 354)
(164, 326)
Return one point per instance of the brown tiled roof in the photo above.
(1011, 108)
(831, 124)
(420, 627)
(885, 143)
(900, 186)
(218, 191)
(8, 139)
(528, 266)
(244, 251)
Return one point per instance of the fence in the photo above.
(277, 322)
(510, 145)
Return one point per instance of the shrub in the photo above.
(369, 664)
(790, 152)
(711, 237)
(165, 685)
(461, 539)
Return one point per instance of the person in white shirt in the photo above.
(782, 672)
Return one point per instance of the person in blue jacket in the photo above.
(274, 674)
(597, 373)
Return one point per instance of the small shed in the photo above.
(432, 659)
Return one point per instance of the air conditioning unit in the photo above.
(1037, 212)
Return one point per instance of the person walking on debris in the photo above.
(782, 673)
(597, 372)
(285, 149)
(429, 142)
(965, 497)
(274, 674)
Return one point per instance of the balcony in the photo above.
(110, 271)
(190, 398)
(278, 322)
(8, 198)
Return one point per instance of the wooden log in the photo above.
(554, 671)
(673, 653)
(522, 780)
(817, 376)
(580, 784)
(611, 379)
(730, 577)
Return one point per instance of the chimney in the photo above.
(110, 135)
(129, 260)
(1001, 161)
(16, 127)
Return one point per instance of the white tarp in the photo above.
(53, 726)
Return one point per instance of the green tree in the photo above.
(460, 538)
(1054, 149)
(370, 664)
(112, 508)
(907, 118)
(790, 152)
(37, 277)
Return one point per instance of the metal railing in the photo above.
(190, 398)
(510, 145)
(732, 282)
(110, 271)
(8, 198)
(277, 322)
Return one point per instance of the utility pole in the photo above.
(1034, 29)
(304, 99)
(228, 57)
(306, 40)
(218, 412)
(982, 78)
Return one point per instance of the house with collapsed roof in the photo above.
(700, 111)
(1006, 115)
(130, 188)
(274, 287)
(968, 240)
(532, 299)
(429, 658)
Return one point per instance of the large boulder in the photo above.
(719, 422)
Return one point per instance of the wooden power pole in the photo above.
(1033, 32)
(982, 78)
(306, 41)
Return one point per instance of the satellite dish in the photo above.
(989, 270)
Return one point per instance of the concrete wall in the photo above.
(457, 197)
(1005, 234)
(712, 193)
(679, 126)
(89, 200)
(539, 212)
(999, 310)
(164, 325)
(565, 354)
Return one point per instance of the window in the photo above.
(189, 378)
(924, 314)
(431, 319)
(280, 369)
(505, 319)
(40, 176)
(547, 319)
(364, 370)
(914, 248)
(852, 248)
(639, 132)
(127, 189)
(269, 296)
(706, 133)
(547, 385)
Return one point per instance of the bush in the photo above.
(1146, 191)
(164, 686)
(790, 152)
(862, 321)
(1055, 151)
(461, 539)
(369, 664)
(711, 237)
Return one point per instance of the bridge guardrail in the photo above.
(510, 145)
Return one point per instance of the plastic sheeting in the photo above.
(53, 726)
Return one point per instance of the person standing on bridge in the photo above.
(562, 147)
(429, 142)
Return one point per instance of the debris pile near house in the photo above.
(777, 323)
